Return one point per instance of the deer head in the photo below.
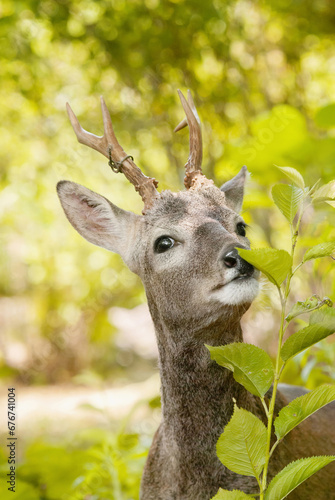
(183, 246)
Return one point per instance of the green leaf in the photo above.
(303, 339)
(322, 250)
(231, 495)
(310, 304)
(242, 446)
(325, 193)
(294, 474)
(251, 366)
(275, 264)
(325, 117)
(293, 175)
(326, 317)
(288, 199)
(301, 408)
(314, 188)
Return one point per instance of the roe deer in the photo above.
(183, 248)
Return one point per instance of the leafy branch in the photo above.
(245, 445)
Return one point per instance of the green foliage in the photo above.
(325, 117)
(294, 474)
(303, 339)
(58, 469)
(275, 264)
(98, 464)
(236, 448)
(326, 316)
(288, 199)
(325, 193)
(301, 408)
(23, 491)
(294, 176)
(242, 445)
(312, 303)
(321, 250)
(251, 366)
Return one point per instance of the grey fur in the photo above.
(193, 301)
(234, 190)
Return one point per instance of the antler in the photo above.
(194, 176)
(109, 147)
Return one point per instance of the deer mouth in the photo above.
(239, 277)
(241, 289)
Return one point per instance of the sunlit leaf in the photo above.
(288, 199)
(303, 339)
(325, 192)
(231, 495)
(322, 250)
(314, 188)
(308, 305)
(325, 316)
(301, 408)
(293, 175)
(294, 474)
(241, 448)
(251, 366)
(275, 264)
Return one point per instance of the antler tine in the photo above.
(108, 145)
(184, 123)
(84, 137)
(192, 106)
(108, 127)
(181, 125)
(193, 165)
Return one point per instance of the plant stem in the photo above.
(279, 364)
(273, 398)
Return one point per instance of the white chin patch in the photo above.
(237, 292)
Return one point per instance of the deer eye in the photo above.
(163, 244)
(240, 228)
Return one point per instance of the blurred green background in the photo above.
(263, 77)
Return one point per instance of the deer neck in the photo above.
(197, 394)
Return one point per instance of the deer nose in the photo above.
(233, 259)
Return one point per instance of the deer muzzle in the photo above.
(232, 259)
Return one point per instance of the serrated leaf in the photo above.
(303, 339)
(322, 250)
(326, 317)
(242, 445)
(275, 264)
(293, 175)
(231, 495)
(310, 304)
(294, 474)
(251, 366)
(301, 408)
(325, 192)
(288, 199)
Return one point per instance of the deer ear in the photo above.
(96, 218)
(234, 190)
